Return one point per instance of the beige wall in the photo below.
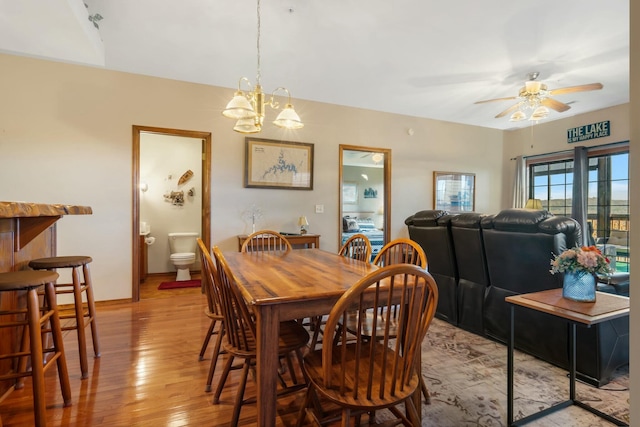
(65, 137)
(550, 137)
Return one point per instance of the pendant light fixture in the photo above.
(248, 108)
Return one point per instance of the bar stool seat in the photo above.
(83, 314)
(35, 320)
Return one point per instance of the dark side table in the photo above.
(606, 307)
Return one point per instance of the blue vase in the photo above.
(579, 286)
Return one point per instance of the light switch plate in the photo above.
(319, 208)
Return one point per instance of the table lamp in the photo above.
(534, 204)
(303, 223)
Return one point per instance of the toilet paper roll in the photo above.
(150, 240)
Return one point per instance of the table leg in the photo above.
(510, 371)
(268, 326)
(572, 362)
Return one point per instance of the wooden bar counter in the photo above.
(27, 231)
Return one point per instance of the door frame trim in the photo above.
(206, 193)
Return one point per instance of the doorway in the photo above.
(203, 139)
(365, 194)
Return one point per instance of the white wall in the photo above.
(375, 181)
(163, 160)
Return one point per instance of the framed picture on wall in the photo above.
(454, 191)
(349, 192)
(278, 164)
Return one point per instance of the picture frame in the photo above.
(349, 192)
(454, 191)
(278, 164)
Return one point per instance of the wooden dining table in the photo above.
(286, 286)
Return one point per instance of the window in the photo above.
(551, 181)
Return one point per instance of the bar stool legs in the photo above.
(83, 316)
(78, 288)
(35, 318)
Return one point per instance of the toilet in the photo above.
(183, 253)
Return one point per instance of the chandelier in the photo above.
(531, 97)
(248, 108)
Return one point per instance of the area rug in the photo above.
(467, 379)
(195, 283)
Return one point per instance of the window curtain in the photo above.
(581, 191)
(520, 184)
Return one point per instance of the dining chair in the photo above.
(240, 338)
(213, 310)
(398, 251)
(401, 251)
(265, 240)
(378, 372)
(357, 247)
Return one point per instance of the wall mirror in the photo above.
(454, 191)
(171, 193)
(365, 194)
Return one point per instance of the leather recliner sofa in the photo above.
(434, 226)
(509, 253)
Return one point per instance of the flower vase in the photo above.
(579, 286)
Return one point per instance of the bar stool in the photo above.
(34, 319)
(83, 315)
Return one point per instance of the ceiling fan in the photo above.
(376, 157)
(536, 96)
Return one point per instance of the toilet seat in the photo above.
(183, 256)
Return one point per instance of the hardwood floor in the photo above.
(148, 374)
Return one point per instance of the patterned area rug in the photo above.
(467, 379)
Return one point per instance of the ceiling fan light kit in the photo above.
(536, 96)
(248, 109)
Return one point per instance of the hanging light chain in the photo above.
(258, 76)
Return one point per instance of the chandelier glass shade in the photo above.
(531, 97)
(248, 109)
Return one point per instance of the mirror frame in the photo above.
(387, 186)
(206, 194)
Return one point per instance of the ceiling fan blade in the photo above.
(572, 89)
(509, 98)
(508, 110)
(556, 105)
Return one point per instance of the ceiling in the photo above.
(429, 59)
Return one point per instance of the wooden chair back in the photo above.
(209, 273)
(401, 251)
(239, 323)
(358, 247)
(378, 369)
(265, 240)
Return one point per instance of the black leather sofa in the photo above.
(435, 227)
(481, 259)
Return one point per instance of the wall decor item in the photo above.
(454, 191)
(278, 164)
(370, 193)
(176, 198)
(349, 192)
(185, 177)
